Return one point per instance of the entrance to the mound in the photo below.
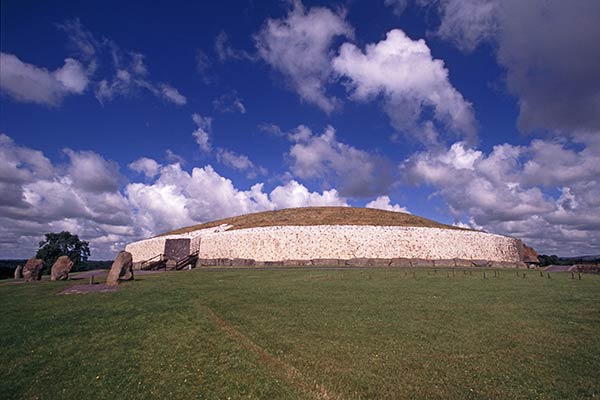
(177, 249)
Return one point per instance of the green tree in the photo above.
(63, 244)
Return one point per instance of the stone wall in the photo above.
(149, 248)
(146, 249)
(350, 242)
(339, 242)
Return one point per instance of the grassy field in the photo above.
(289, 334)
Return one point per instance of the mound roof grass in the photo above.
(309, 216)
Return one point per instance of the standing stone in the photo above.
(121, 269)
(61, 268)
(19, 272)
(32, 271)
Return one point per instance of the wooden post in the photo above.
(484, 275)
(495, 274)
(91, 281)
(452, 271)
(579, 273)
(549, 275)
(541, 273)
(447, 274)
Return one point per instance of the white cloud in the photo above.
(171, 94)
(91, 172)
(240, 162)
(384, 203)
(202, 132)
(404, 72)
(41, 197)
(229, 103)
(30, 84)
(226, 52)
(146, 166)
(125, 72)
(178, 198)
(546, 193)
(354, 172)
(468, 22)
(293, 194)
(546, 48)
(83, 197)
(173, 157)
(299, 47)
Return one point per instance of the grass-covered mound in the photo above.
(319, 216)
(291, 334)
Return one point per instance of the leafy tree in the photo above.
(63, 244)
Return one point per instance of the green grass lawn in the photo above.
(292, 334)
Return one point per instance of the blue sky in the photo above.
(120, 121)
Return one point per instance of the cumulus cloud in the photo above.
(354, 172)
(299, 48)
(404, 72)
(28, 83)
(40, 197)
(384, 203)
(84, 196)
(552, 72)
(546, 193)
(202, 132)
(146, 166)
(294, 194)
(178, 198)
(91, 172)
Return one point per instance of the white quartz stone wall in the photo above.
(146, 249)
(150, 248)
(345, 242)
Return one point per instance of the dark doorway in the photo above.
(176, 249)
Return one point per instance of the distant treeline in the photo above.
(7, 267)
(555, 260)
